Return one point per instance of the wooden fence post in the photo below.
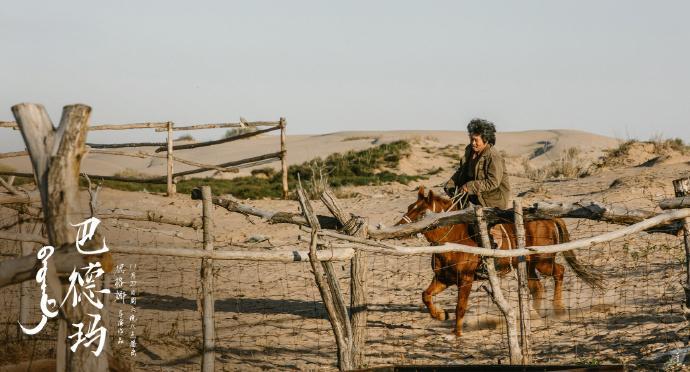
(327, 282)
(681, 187)
(171, 182)
(208, 310)
(523, 290)
(56, 157)
(497, 294)
(358, 227)
(283, 156)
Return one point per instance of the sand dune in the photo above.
(546, 144)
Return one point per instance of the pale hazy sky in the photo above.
(618, 68)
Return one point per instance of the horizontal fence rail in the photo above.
(171, 177)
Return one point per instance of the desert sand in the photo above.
(270, 316)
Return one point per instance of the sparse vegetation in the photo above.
(132, 173)
(622, 149)
(568, 165)
(451, 151)
(361, 138)
(237, 131)
(372, 166)
(544, 147)
(185, 137)
(621, 155)
(662, 146)
(266, 172)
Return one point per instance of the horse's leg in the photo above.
(551, 268)
(464, 289)
(535, 286)
(434, 288)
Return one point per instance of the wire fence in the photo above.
(269, 315)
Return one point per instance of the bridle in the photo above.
(459, 199)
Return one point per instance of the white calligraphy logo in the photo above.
(43, 254)
(80, 287)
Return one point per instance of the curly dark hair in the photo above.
(484, 128)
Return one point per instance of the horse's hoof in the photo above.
(440, 315)
(457, 333)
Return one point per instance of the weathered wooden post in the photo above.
(327, 282)
(358, 227)
(523, 290)
(56, 158)
(208, 310)
(496, 292)
(681, 187)
(171, 182)
(283, 156)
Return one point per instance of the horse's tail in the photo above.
(593, 278)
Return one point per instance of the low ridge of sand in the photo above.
(540, 146)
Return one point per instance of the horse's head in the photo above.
(424, 204)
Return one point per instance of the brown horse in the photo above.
(458, 268)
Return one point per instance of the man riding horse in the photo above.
(481, 178)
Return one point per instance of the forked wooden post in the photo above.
(358, 227)
(327, 282)
(283, 156)
(208, 310)
(523, 290)
(497, 294)
(56, 157)
(171, 182)
(681, 187)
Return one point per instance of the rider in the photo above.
(482, 172)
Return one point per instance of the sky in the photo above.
(616, 68)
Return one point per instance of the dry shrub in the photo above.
(133, 173)
(266, 172)
(318, 182)
(568, 165)
(237, 131)
(360, 138)
(185, 137)
(663, 146)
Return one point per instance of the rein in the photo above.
(459, 199)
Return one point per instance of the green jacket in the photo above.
(490, 182)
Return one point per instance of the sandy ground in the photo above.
(269, 315)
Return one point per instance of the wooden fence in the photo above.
(348, 326)
(169, 147)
